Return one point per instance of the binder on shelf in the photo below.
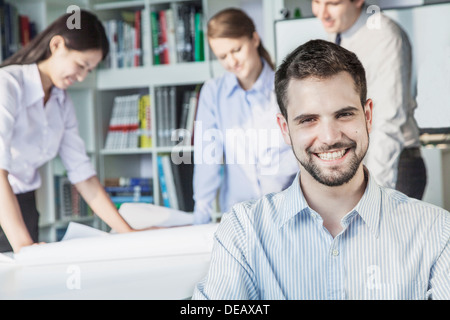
(176, 107)
(183, 175)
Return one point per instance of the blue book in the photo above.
(123, 199)
(128, 189)
(162, 183)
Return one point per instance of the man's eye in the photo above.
(306, 120)
(345, 114)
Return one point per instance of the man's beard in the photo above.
(337, 177)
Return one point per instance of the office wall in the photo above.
(428, 28)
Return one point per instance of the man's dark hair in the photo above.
(318, 59)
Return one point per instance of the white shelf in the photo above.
(126, 151)
(118, 5)
(160, 75)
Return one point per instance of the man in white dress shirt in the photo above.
(394, 157)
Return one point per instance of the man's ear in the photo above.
(282, 123)
(368, 109)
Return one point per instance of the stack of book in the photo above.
(69, 203)
(175, 114)
(125, 37)
(130, 123)
(16, 30)
(123, 190)
(177, 34)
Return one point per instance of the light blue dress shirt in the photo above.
(391, 247)
(238, 146)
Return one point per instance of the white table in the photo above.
(148, 265)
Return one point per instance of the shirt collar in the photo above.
(265, 81)
(369, 207)
(33, 86)
(294, 202)
(360, 22)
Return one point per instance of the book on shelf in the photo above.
(199, 51)
(170, 182)
(130, 123)
(145, 122)
(162, 183)
(68, 201)
(175, 114)
(183, 174)
(128, 181)
(129, 190)
(16, 30)
(154, 25)
(175, 183)
(177, 34)
(126, 36)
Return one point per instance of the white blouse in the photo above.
(32, 134)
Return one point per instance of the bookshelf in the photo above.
(136, 74)
(172, 81)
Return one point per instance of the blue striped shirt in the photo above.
(391, 247)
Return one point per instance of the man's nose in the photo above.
(330, 133)
(322, 11)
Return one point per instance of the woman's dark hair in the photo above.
(88, 34)
(235, 23)
(318, 59)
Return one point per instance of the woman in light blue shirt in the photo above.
(238, 148)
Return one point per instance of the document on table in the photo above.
(144, 215)
(83, 244)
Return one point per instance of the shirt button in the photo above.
(335, 252)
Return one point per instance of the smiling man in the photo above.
(334, 233)
(394, 157)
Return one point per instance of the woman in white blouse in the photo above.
(37, 122)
